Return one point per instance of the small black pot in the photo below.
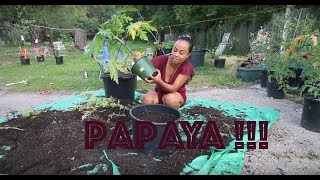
(219, 63)
(272, 90)
(25, 61)
(40, 59)
(59, 59)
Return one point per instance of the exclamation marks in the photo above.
(251, 129)
(263, 127)
(239, 134)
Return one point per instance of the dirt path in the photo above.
(292, 149)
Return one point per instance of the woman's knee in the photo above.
(150, 98)
(173, 99)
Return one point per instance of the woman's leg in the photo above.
(150, 98)
(174, 100)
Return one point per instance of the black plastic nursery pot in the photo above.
(272, 90)
(295, 81)
(264, 78)
(24, 61)
(40, 58)
(143, 68)
(310, 119)
(248, 74)
(219, 63)
(124, 90)
(59, 59)
(151, 147)
(197, 57)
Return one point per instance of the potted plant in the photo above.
(311, 102)
(118, 76)
(311, 91)
(25, 60)
(40, 56)
(278, 74)
(58, 56)
(217, 62)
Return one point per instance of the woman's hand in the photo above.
(155, 79)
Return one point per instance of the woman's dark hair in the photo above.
(186, 37)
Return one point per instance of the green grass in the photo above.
(215, 77)
(68, 76)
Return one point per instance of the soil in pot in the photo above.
(52, 142)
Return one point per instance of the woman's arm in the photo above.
(180, 80)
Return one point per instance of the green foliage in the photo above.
(167, 44)
(66, 39)
(113, 34)
(278, 68)
(21, 28)
(94, 103)
(30, 112)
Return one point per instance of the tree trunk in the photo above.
(285, 28)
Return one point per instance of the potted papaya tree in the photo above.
(120, 76)
(311, 91)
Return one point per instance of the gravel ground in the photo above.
(292, 149)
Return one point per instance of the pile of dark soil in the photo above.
(52, 142)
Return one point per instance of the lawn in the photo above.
(48, 75)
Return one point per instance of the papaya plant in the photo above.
(114, 33)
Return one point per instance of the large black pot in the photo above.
(197, 57)
(310, 119)
(219, 63)
(124, 90)
(151, 147)
(272, 90)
